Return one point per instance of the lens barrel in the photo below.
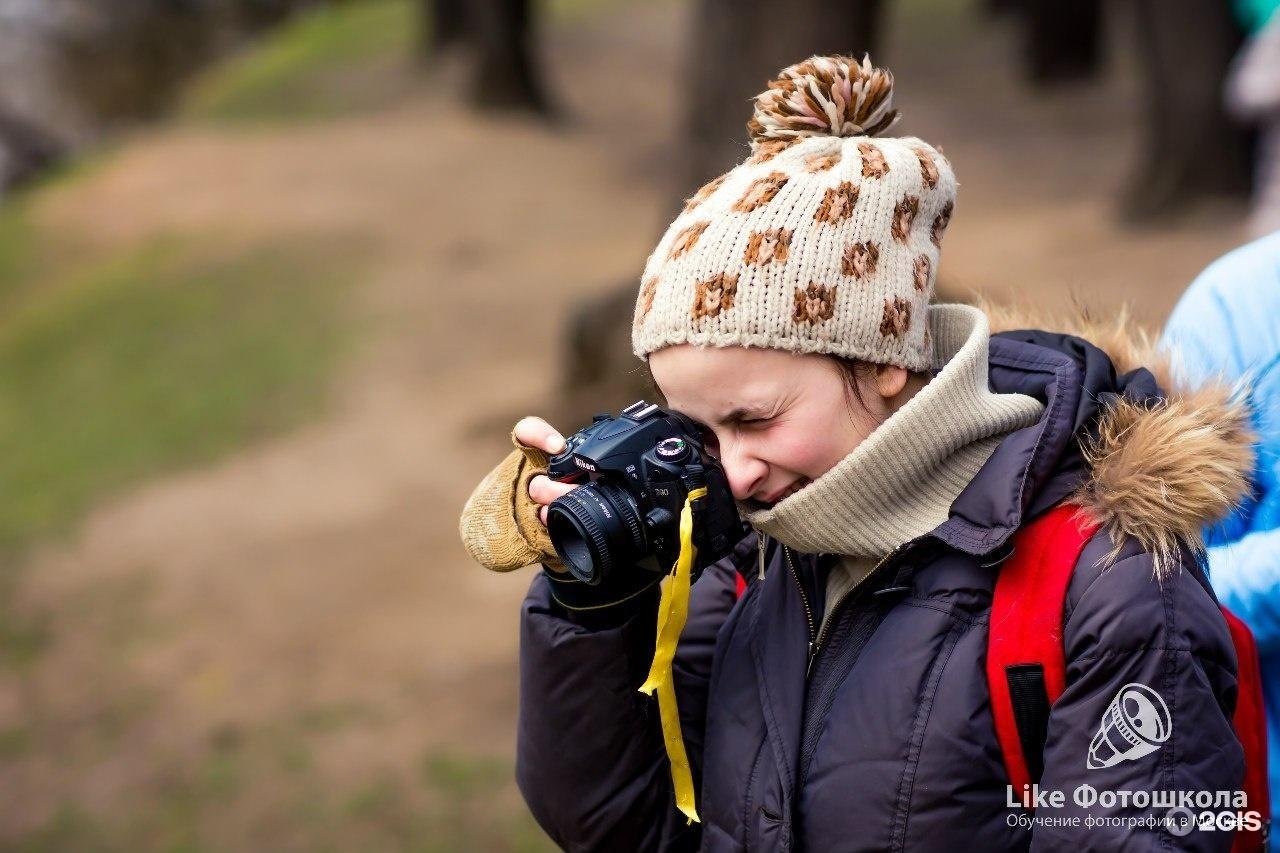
(596, 528)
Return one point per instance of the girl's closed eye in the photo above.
(764, 418)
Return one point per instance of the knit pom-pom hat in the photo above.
(824, 240)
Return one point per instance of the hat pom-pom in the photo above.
(824, 96)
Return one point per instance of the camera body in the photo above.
(636, 471)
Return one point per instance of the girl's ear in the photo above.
(890, 380)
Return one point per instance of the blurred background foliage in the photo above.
(322, 63)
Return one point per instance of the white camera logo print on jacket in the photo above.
(1135, 724)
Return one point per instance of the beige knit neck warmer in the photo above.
(900, 482)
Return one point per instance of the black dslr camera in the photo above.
(637, 470)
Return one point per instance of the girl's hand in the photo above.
(537, 433)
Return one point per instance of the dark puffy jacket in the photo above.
(879, 736)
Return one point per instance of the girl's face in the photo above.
(779, 419)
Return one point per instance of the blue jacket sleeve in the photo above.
(1225, 322)
(1246, 577)
(590, 759)
(1227, 326)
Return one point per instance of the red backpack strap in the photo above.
(1250, 723)
(1026, 669)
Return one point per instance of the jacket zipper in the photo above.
(761, 540)
(847, 632)
(820, 693)
(808, 611)
(835, 608)
(815, 642)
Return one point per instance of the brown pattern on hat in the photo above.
(897, 317)
(837, 203)
(714, 295)
(821, 162)
(814, 304)
(648, 289)
(940, 224)
(773, 244)
(928, 168)
(923, 266)
(873, 163)
(768, 149)
(859, 259)
(704, 192)
(761, 192)
(904, 214)
(687, 239)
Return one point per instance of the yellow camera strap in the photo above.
(673, 611)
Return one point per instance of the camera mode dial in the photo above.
(673, 449)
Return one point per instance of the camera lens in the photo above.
(595, 528)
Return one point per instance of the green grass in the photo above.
(305, 69)
(160, 357)
(342, 58)
(194, 803)
(17, 258)
(68, 829)
(474, 807)
(462, 777)
(572, 10)
(15, 741)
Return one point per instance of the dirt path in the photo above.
(322, 570)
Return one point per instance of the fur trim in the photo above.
(1160, 471)
(1128, 344)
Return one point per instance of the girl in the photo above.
(885, 451)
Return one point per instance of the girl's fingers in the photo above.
(536, 432)
(544, 490)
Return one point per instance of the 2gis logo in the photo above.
(1181, 821)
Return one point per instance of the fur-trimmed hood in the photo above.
(1163, 466)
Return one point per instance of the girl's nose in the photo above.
(744, 473)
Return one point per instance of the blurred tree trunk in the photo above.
(996, 8)
(499, 36)
(252, 15)
(1190, 148)
(506, 75)
(444, 25)
(25, 151)
(1062, 40)
(735, 48)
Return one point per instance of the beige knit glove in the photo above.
(500, 526)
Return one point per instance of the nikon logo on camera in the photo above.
(582, 464)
